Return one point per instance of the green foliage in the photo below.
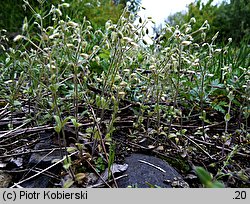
(67, 72)
(202, 12)
(206, 178)
(100, 164)
(99, 12)
(13, 12)
(230, 19)
(233, 20)
(67, 162)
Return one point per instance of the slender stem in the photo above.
(201, 101)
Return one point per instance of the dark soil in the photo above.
(29, 149)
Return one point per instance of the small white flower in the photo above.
(123, 84)
(113, 36)
(55, 35)
(134, 44)
(58, 12)
(121, 94)
(196, 45)
(84, 44)
(186, 42)
(72, 24)
(152, 66)
(99, 79)
(127, 39)
(196, 62)
(3, 48)
(65, 5)
(97, 59)
(70, 45)
(108, 24)
(188, 29)
(96, 48)
(89, 28)
(217, 50)
(128, 3)
(25, 25)
(205, 44)
(193, 20)
(84, 55)
(126, 70)
(187, 61)
(177, 33)
(133, 75)
(18, 37)
(51, 66)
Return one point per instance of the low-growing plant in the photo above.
(68, 72)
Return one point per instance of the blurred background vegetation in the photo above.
(98, 11)
(230, 18)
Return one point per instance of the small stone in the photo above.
(160, 148)
(141, 174)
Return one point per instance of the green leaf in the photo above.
(219, 106)
(171, 135)
(57, 119)
(203, 175)
(104, 103)
(58, 126)
(163, 133)
(17, 103)
(71, 149)
(67, 163)
(140, 57)
(97, 135)
(80, 176)
(80, 146)
(94, 66)
(53, 88)
(57, 129)
(104, 54)
(98, 101)
(216, 83)
(75, 123)
(73, 120)
(206, 178)
(66, 120)
(68, 183)
(217, 184)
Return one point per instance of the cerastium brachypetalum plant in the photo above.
(67, 73)
(58, 60)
